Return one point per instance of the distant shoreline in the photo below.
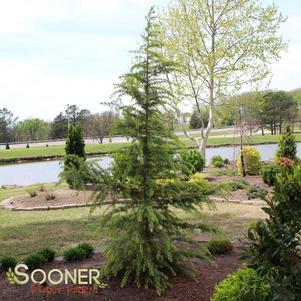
(29, 159)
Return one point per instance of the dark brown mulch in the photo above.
(182, 288)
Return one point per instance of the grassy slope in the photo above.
(109, 148)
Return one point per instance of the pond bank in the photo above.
(48, 171)
(24, 159)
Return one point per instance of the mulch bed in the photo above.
(182, 288)
(59, 198)
(65, 198)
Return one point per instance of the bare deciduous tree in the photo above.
(100, 125)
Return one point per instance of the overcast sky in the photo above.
(59, 52)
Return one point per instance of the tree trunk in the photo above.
(272, 129)
(203, 141)
(262, 130)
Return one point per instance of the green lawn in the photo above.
(113, 147)
(58, 150)
(196, 134)
(22, 233)
(257, 139)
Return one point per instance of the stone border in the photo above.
(254, 202)
(5, 204)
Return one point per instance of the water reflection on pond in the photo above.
(48, 171)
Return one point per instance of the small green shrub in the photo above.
(74, 254)
(243, 285)
(251, 160)
(255, 192)
(198, 178)
(191, 162)
(268, 174)
(88, 249)
(217, 161)
(34, 261)
(7, 262)
(219, 246)
(226, 161)
(7, 146)
(47, 254)
(238, 184)
(32, 192)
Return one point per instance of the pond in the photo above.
(48, 171)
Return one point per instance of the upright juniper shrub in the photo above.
(75, 144)
(75, 155)
(141, 232)
(287, 147)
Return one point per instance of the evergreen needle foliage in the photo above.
(75, 156)
(75, 144)
(141, 231)
(287, 146)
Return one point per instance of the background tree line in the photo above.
(263, 110)
(94, 125)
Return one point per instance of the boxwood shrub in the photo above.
(269, 173)
(217, 161)
(251, 160)
(191, 162)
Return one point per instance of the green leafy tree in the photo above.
(7, 125)
(141, 232)
(32, 129)
(287, 145)
(276, 108)
(76, 115)
(59, 127)
(219, 46)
